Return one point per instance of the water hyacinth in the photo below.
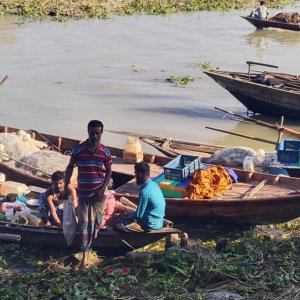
(62, 10)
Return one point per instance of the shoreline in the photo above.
(61, 11)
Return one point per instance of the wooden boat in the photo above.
(172, 147)
(269, 23)
(122, 172)
(257, 198)
(108, 241)
(261, 98)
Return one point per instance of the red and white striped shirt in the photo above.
(92, 166)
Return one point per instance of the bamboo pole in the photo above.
(265, 124)
(280, 133)
(3, 80)
(243, 135)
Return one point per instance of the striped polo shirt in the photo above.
(91, 167)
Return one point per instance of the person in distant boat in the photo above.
(94, 173)
(151, 205)
(269, 80)
(261, 12)
(51, 201)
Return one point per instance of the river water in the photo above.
(61, 75)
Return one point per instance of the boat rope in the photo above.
(125, 242)
(45, 139)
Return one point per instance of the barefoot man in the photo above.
(94, 172)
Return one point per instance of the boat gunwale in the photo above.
(228, 75)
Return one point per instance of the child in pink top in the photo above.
(111, 205)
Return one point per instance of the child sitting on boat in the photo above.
(51, 201)
(112, 206)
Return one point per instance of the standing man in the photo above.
(151, 204)
(94, 172)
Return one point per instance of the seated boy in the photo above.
(51, 201)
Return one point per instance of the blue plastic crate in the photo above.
(181, 166)
(288, 151)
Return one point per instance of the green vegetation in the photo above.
(205, 66)
(180, 81)
(262, 262)
(63, 9)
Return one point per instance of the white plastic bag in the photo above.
(69, 221)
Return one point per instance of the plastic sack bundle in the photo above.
(69, 221)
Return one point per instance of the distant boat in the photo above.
(268, 23)
(278, 100)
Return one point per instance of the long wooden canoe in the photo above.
(257, 198)
(276, 199)
(267, 23)
(108, 241)
(261, 98)
(172, 147)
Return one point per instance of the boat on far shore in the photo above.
(265, 23)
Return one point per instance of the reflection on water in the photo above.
(261, 40)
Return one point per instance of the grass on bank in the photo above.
(262, 262)
(64, 9)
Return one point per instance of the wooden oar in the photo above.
(159, 148)
(243, 135)
(136, 134)
(3, 80)
(265, 124)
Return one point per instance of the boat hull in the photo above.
(233, 211)
(264, 23)
(260, 98)
(108, 241)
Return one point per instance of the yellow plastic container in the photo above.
(133, 145)
(8, 187)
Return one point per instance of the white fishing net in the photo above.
(44, 161)
(231, 156)
(19, 150)
(15, 146)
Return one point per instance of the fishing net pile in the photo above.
(237, 156)
(44, 162)
(287, 18)
(15, 146)
(19, 150)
